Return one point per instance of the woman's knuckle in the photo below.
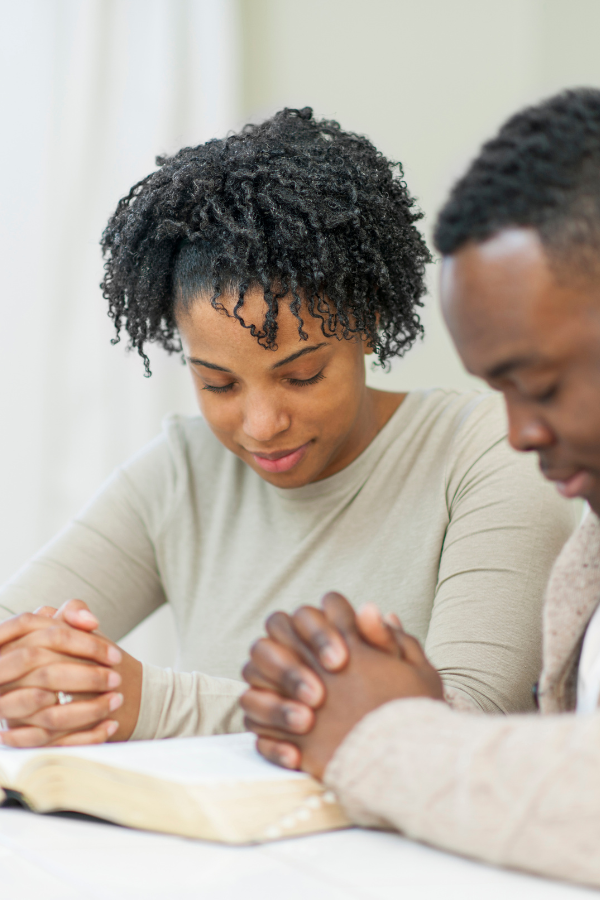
(44, 677)
(39, 697)
(48, 718)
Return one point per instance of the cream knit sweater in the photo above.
(521, 791)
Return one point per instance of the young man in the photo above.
(520, 236)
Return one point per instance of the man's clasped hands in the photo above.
(312, 679)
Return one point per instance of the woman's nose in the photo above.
(264, 420)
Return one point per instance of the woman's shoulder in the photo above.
(183, 459)
(185, 447)
(453, 418)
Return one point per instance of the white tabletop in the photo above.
(52, 858)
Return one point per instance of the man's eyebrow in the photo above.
(201, 362)
(503, 368)
(289, 359)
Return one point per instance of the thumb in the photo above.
(77, 614)
(409, 646)
(376, 630)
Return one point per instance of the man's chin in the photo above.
(593, 498)
(582, 484)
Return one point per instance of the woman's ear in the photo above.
(367, 346)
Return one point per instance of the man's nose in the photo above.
(264, 419)
(526, 430)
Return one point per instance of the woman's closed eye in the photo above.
(302, 382)
(218, 389)
(295, 382)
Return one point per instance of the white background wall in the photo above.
(92, 90)
(427, 81)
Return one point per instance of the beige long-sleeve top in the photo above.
(437, 520)
(521, 791)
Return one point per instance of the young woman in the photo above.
(276, 259)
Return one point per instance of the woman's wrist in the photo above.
(131, 672)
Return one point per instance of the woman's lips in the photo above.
(578, 485)
(280, 462)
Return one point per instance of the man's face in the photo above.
(532, 331)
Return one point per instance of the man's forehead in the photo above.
(502, 302)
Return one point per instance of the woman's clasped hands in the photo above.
(320, 671)
(59, 680)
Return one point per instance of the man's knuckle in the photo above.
(247, 671)
(291, 679)
(259, 648)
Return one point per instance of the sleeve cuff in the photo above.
(181, 704)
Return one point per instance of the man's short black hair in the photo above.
(295, 206)
(541, 171)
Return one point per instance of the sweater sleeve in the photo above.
(105, 557)
(180, 704)
(506, 526)
(517, 791)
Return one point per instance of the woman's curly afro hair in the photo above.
(295, 206)
(541, 171)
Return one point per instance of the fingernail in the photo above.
(115, 702)
(297, 719)
(287, 759)
(114, 680)
(307, 693)
(331, 656)
(86, 616)
(114, 655)
(111, 727)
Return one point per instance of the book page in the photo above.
(218, 759)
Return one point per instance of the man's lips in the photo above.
(578, 485)
(281, 461)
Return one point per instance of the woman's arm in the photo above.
(506, 528)
(106, 557)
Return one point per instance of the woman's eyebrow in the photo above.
(289, 359)
(282, 362)
(201, 362)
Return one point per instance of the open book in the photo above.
(217, 788)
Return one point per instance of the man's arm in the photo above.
(520, 791)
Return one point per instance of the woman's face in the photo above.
(295, 414)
